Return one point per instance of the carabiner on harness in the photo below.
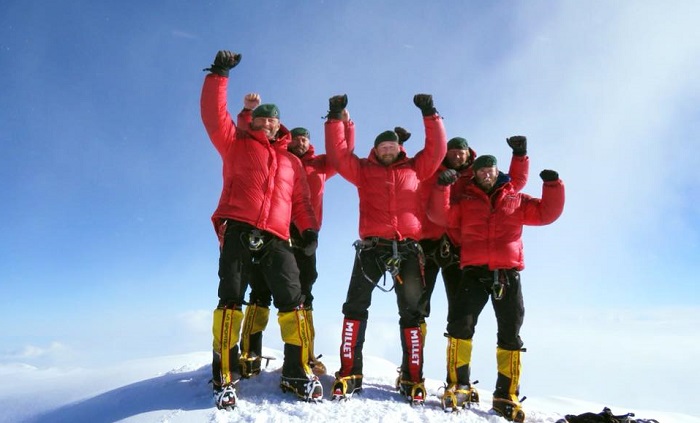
(445, 248)
(500, 282)
(392, 264)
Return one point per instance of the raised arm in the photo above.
(550, 207)
(213, 104)
(338, 145)
(328, 167)
(519, 163)
(429, 158)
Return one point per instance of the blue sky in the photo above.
(108, 178)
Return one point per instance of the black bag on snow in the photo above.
(605, 416)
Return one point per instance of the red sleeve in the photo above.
(549, 208)
(439, 205)
(215, 115)
(245, 118)
(303, 215)
(341, 156)
(322, 165)
(519, 171)
(429, 158)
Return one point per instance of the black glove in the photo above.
(403, 134)
(519, 145)
(425, 103)
(310, 240)
(336, 105)
(448, 177)
(549, 175)
(223, 62)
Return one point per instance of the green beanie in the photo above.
(300, 131)
(457, 143)
(386, 136)
(483, 161)
(266, 110)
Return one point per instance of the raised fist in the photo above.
(403, 134)
(336, 105)
(224, 61)
(425, 103)
(519, 144)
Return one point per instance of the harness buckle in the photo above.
(255, 240)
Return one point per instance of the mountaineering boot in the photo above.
(411, 378)
(225, 374)
(225, 397)
(317, 367)
(509, 410)
(348, 380)
(345, 386)
(505, 397)
(459, 392)
(414, 392)
(254, 323)
(306, 388)
(459, 396)
(296, 373)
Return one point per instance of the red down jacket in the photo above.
(518, 172)
(264, 184)
(389, 197)
(491, 226)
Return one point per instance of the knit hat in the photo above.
(457, 143)
(266, 110)
(386, 136)
(300, 131)
(483, 161)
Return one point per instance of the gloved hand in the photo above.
(425, 103)
(223, 62)
(403, 134)
(549, 175)
(448, 177)
(310, 239)
(336, 105)
(519, 144)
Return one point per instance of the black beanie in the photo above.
(483, 161)
(266, 110)
(300, 131)
(457, 143)
(386, 136)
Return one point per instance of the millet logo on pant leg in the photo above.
(349, 337)
(415, 346)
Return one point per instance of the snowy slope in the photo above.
(175, 389)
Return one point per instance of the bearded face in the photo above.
(486, 177)
(267, 124)
(299, 145)
(387, 152)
